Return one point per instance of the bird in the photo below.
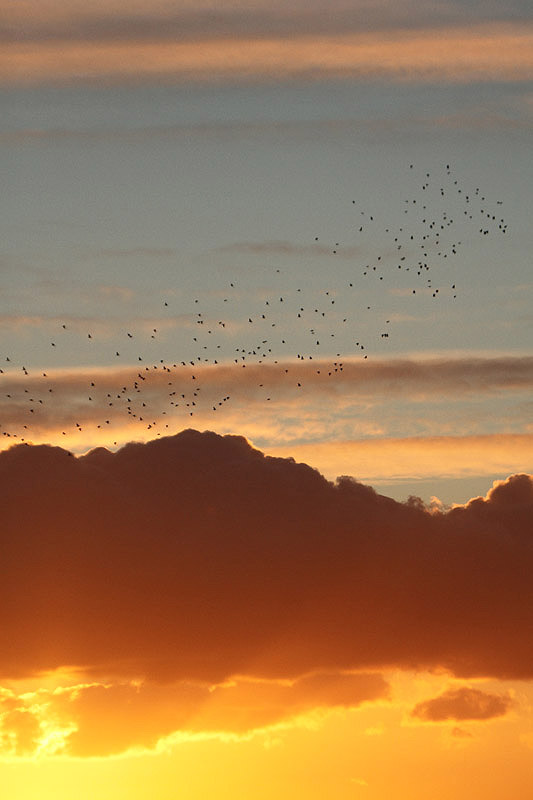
(440, 208)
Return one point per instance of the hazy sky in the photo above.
(308, 225)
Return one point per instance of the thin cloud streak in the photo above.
(101, 326)
(484, 52)
(312, 129)
(417, 378)
(130, 22)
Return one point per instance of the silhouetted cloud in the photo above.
(463, 703)
(197, 558)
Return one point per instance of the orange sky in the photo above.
(368, 750)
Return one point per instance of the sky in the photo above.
(265, 376)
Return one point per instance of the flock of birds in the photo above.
(294, 321)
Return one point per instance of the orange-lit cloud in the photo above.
(416, 380)
(102, 719)
(198, 558)
(462, 704)
(420, 379)
(19, 731)
(478, 52)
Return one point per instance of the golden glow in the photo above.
(387, 459)
(369, 750)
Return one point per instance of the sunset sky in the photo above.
(266, 369)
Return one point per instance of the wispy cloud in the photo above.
(474, 121)
(118, 21)
(101, 326)
(417, 378)
(457, 55)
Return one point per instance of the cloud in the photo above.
(402, 124)
(99, 719)
(197, 558)
(19, 731)
(483, 52)
(461, 704)
(418, 380)
(119, 21)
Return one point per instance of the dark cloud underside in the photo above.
(197, 557)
